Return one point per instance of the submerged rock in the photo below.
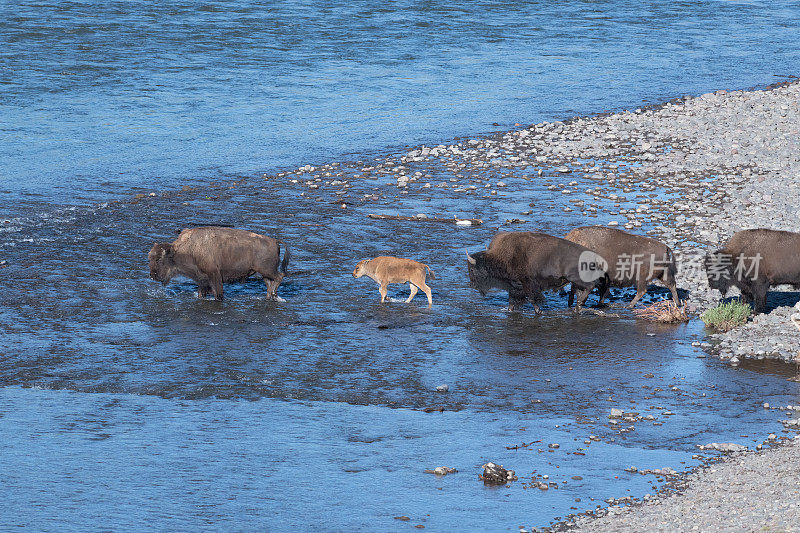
(442, 471)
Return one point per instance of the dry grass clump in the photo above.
(666, 312)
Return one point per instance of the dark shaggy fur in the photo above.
(633, 260)
(525, 264)
(753, 260)
(214, 255)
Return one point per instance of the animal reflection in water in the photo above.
(386, 269)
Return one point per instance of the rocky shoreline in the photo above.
(745, 492)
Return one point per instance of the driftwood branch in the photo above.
(523, 445)
(454, 220)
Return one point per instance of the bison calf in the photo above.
(753, 260)
(525, 264)
(214, 255)
(633, 260)
(386, 269)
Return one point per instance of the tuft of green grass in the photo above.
(726, 316)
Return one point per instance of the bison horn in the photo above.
(470, 259)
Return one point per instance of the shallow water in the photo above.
(127, 404)
(308, 412)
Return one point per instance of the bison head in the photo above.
(479, 276)
(360, 269)
(162, 261)
(718, 269)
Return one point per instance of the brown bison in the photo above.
(753, 260)
(633, 260)
(386, 269)
(214, 255)
(525, 264)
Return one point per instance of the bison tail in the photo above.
(433, 276)
(285, 262)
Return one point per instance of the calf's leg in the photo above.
(383, 291)
(427, 291)
(413, 292)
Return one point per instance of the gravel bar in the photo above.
(748, 492)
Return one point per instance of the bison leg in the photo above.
(571, 297)
(605, 290)
(673, 288)
(538, 298)
(215, 279)
(202, 289)
(583, 294)
(534, 294)
(413, 292)
(272, 283)
(641, 289)
(760, 289)
(747, 296)
(515, 299)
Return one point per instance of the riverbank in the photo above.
(748, 492)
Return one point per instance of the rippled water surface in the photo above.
(98, 95)
(126, 404)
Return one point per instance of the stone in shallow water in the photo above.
(496, 474)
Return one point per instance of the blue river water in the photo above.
(98, 96)
(125, 405)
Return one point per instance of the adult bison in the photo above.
(214, 255)
(525, 264)
(633, 260)
(753, 260)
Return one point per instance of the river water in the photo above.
(129, 405)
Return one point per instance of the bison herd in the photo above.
(525, 264)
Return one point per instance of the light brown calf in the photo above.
(386, 270)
